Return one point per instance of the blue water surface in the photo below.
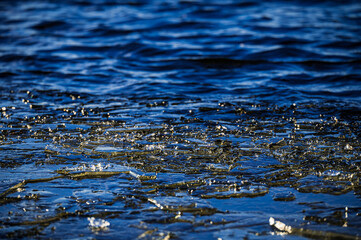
(184, 119)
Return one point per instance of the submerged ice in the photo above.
(180, 119)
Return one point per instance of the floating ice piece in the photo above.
(280, 225)
(284, 196)
(90, 167)
(309, 233)
(331, 173)
(98, 224)
(348, 147)
(150, 147)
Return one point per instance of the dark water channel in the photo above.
(180, 119)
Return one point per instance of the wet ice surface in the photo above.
(180, 119)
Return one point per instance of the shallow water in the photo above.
(180, 119)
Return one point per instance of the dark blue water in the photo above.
(180, 119)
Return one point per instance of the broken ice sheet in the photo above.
(98, 224)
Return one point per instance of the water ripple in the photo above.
(189, 119)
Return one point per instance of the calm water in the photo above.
(187, 119)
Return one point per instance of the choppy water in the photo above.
(180, 119)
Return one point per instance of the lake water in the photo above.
(181, 119)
